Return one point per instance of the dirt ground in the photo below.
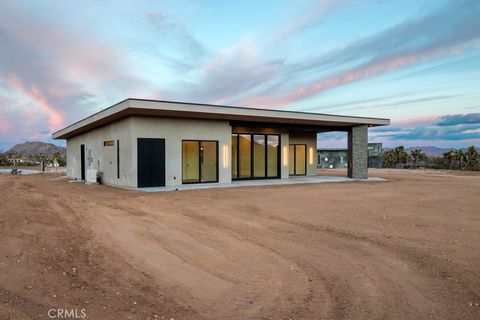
(408, 248)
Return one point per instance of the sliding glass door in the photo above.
(273, 156)
(297, 159)
(190, 161)
(255, 156)
(244, 156)
(199, 161)
(259, 157)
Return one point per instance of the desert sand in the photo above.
(407, 248)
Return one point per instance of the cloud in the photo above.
(472, 131)
(38, 98)
(386, 105)
(458, 119)
(446, 127)
(170, 33)
(362, 72)
(230, 73)
(431, 37)
(53, 74)
(5, 125)
(315, 14)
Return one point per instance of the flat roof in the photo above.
(172, 109)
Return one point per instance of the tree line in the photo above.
(31, 160)
(450, 160)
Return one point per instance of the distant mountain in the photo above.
(429, 150)
(36, 147)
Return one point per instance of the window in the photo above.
(244, 156)
(109, 143)
(297, 159)
(259, 156)
(273, 156)
(255, 156)
(199, 161)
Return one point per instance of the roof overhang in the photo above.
(156, 108)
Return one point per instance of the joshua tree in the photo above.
(460, 159)
(449, 158)
(400, 155)
(417, 154)
(471, 158)
(39, 157)
(388, 159)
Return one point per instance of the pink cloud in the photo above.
(5, 126)
(416, 121)
(362, 72)
(34, 94)
(71, 51)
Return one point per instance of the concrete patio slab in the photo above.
(21, 171)
(262, 182)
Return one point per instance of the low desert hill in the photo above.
(36, 147)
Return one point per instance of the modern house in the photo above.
(334, 158)
(150, 143)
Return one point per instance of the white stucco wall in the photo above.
(128, 130)
(310, 139)
(102, 158)
(173, 130)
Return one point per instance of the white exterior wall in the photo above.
(174, 131)
(102, 158)
(310, 139)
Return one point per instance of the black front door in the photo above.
(150, 162)
(82, 161)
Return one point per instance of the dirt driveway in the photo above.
(408, 248)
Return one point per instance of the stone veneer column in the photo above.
(358, 152)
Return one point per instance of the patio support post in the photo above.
(357, 152)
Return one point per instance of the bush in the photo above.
(3, 160)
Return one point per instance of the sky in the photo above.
(414, 62)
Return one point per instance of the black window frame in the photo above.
(252, 155)
(200, 163)
(295, 159)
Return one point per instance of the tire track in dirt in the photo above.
(392, 277)
(295, 291)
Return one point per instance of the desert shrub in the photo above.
(3, 160)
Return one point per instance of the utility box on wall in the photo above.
(91, 176)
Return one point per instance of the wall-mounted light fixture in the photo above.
(225, 156)
(285, 156)
(311, 155)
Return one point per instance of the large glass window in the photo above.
(255, 156)
(244, 156)
(273, 155)
(190, 163)
(259, 156)
(298, 159)
(208, 161)
(199, 161)
(291, 159)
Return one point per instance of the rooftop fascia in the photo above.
(211, 110)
